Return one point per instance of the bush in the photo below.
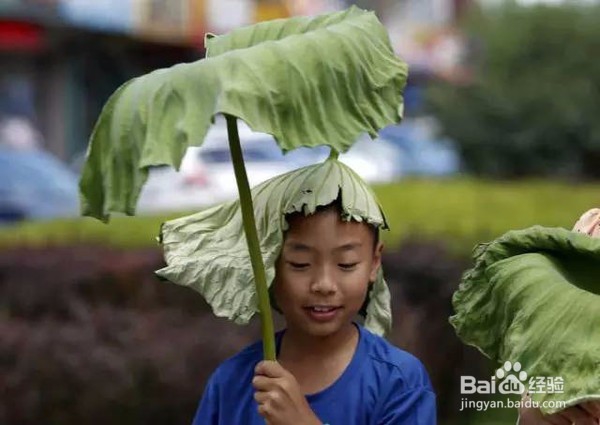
(531, 108)
(89, 335)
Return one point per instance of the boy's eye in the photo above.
(347, 266)
(298, 265)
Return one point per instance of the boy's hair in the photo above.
(337, 205)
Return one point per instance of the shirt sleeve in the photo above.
(208, 409)
(414, 407)
(409, 398)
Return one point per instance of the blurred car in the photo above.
(35, 185)
(263, 159)
(376, 161)
(206, 174)
(167, 190)
(423, 153)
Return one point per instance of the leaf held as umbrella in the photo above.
(306, 81)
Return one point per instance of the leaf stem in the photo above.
(258, 267)
(333, 154)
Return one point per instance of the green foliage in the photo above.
(463, 212)
(532, 298)
(532, 105)
(125, 232)
(467, 211)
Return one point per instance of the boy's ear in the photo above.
(377, 253)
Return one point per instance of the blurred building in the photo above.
(425, 34)
(61, 59)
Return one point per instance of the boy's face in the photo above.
(324, 270)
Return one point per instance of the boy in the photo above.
(329, 369)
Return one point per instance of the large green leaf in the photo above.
(207, 251)
(308, 82)
(534, 297)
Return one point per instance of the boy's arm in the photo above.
(208, 409)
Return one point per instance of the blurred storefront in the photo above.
(224, 15)
(425, 34)
(61, 59)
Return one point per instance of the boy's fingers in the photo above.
(269, 368)
(266, 383)
(270, 397)
(263, 383)
(261, 396)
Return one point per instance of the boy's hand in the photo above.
(279, 398)
(582, 414)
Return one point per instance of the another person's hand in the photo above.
(589, 223)
(583, 414)
(279, 398)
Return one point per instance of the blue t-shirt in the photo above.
(382, 385)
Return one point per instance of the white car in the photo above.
(376, 161)
(167, 190)
(262, 159)
(206, 175)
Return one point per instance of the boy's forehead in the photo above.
(326, 224)
(329, 218)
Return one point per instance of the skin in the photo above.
(324, 261)
(582, 414)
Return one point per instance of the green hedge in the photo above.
(467, 211)
(462, 211)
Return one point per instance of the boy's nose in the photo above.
(324, 283)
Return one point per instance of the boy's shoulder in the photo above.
(241, 365)
(398, 363)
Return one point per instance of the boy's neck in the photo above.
(299, 347)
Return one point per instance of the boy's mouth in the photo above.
(322, 308)
(322, 313)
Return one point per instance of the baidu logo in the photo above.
(511, 378)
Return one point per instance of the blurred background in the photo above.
(501, 132)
